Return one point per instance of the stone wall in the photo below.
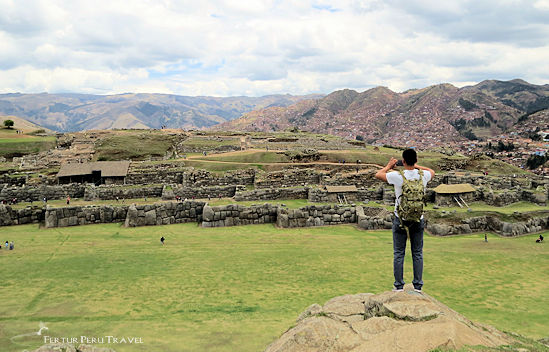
(492, 224)
(495, 182)
(203, 178)
(122, 192)
(288, 178)
(360, 180)
(234, 215)
(153, 177)
(83, 215)
(319, 195)
(316, 215)
(164, 213)
(170, 192)
(370, 218)
(30, 193)
(13, 180)
(189, 177)
(273, 194)
(29, 215)
(500, 199)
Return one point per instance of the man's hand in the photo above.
(391, 164)
(382, 174)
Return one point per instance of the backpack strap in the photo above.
(404, 179)
(402, 226)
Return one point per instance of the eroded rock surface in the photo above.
(390, 321)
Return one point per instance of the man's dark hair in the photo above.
(409, 156)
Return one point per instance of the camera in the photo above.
(399, 163)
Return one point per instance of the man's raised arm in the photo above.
(382, 174)
(426, 169)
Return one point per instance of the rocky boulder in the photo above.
(132, 217)
(391, 321)
(5, 215)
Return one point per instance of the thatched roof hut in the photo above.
(341, 189)
(460, 194)
(96, 172)
(454, 189)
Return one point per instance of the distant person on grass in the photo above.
(409, 192)
(162, 240)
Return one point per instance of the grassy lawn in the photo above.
(218, 167)
(210, 142)
(134, 146)
(238, 288)
(250, 157)
(10, 147)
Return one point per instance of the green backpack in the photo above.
(411, 203)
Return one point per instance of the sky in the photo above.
(260, 47)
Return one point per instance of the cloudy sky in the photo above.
(258, 47)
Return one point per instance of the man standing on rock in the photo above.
(414, 177)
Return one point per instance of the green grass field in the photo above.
(136, 146)
(367, 155)
(250, 157)
(238, 288)
(10, 147)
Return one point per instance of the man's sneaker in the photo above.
(396, 289)
(418, 290)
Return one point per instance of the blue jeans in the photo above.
(399, 250)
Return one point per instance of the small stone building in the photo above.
(451, 195)
(98, 173)
(342, 194)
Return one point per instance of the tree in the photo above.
(535, 161)
(8, 123)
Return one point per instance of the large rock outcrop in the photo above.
(391, 321)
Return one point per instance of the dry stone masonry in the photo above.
(316, 215)
(273, 194)
(29, 215)
(490, 223)
(234, 215)
(170, 192)
(27, 193)
(105, 192)
(164, 213)
(288, 178)
(84, 215)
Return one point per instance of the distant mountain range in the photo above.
(423, 117)
(75, 112)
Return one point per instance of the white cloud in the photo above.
(223, 47)
(542, 4)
